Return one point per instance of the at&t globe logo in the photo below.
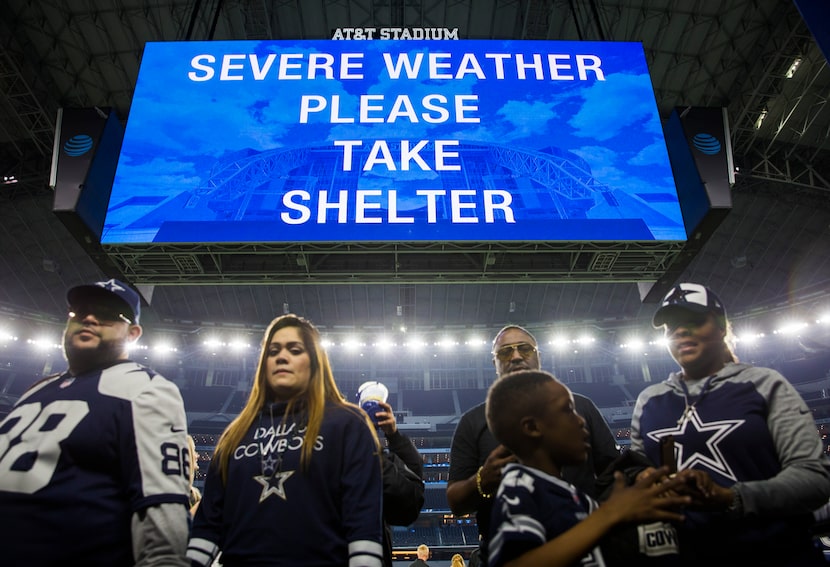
(706, 143)
(77, 145)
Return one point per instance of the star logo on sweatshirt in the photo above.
(706, 436)
(269, 464)
(273, 484)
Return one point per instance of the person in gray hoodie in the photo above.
(742, 435)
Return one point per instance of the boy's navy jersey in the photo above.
(747, 427)
(79, 456)
(272, 512)
(472, 442)
(531, 508)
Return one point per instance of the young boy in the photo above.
(538, 519)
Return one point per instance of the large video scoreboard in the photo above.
(368, 141)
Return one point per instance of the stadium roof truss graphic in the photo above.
(239, 188)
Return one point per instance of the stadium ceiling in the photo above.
(770, 252)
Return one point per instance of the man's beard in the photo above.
(85, 359)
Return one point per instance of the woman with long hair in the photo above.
(296, 478)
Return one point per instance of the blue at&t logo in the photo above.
(706, 143)
(77, 145)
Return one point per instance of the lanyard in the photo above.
(690, 406)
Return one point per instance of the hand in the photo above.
(705, 493)
(652, 497)
(491, 470)
(646, 473)
(386, 419)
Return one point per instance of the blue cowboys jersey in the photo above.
(79, 456)
(532, 508)
(272, 512)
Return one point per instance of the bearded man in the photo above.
(94, 462)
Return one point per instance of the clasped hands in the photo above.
(703, 492)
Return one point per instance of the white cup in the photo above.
(370, 394)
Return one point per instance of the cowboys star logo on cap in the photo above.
(688, 297)
(111, 285)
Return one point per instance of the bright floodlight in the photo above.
(384, 345)
(43, 343)
(791, 328)
(164, 347)
(661, 342)
(6, 336)
(748, 338)
(238, 345)
(585, 340)
(559, 342)
(446, 343)
(212, 342)
(352, 344)
(415, 344)
(635, 344)
(475, 342)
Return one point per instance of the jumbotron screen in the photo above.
(363, 141)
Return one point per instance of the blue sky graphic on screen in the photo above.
(333, 141)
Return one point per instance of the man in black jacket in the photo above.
(403, 484)
(476, 458)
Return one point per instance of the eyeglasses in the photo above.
(505, 353)
(103, 314)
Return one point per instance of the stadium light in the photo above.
(384, 345)
(559, 342)
(748, 338)
(43, 343)
(634, 343)
(586, 340)
(212, 342)
(352, 344)
(792, 328)
(7, 336)
(164, 347)
(475, 342)
(238, 345)
(446, 343)
(415, 344)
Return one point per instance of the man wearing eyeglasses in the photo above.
(94, 461)
(476, 459)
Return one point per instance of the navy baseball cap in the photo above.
(109, 290)
(688, 297)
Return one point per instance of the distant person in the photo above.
(403, 483)
(423, 555)
(93, 466)
(538, 517)
(296, 478)
(476, 458)
(457, 561)
(742, 432)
